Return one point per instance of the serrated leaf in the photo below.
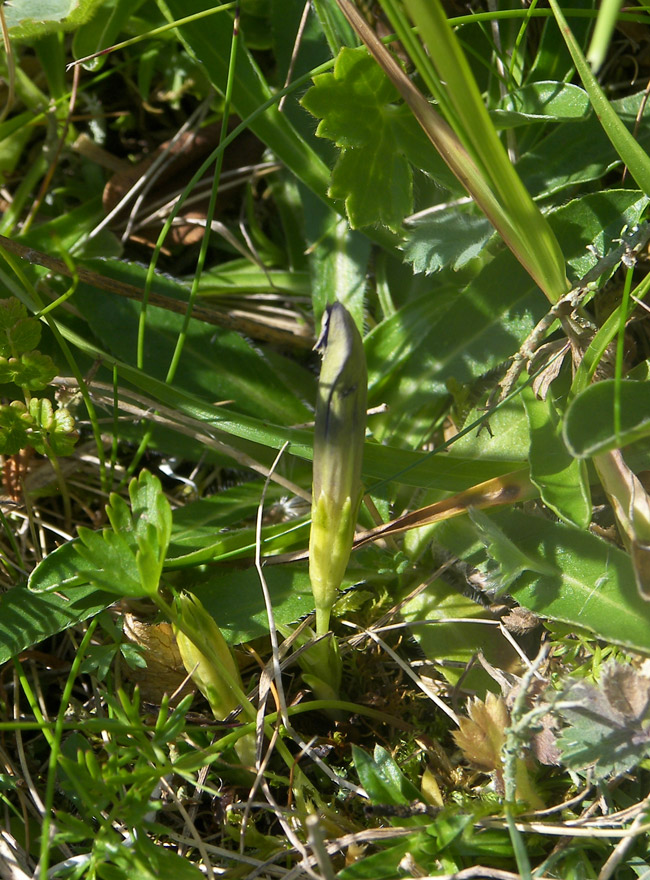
(152, 515)
(119, 515)
(377, 184)
(122, 568)
(450, 239)
(351, 101)
(561, 479)
(149, 568)
(114, 566)
(371, 174)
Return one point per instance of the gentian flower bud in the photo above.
(338, 453)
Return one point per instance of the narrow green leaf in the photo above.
(382, 779)
(524, 229)
(151, 512)
(603, 32)
(380, 462)
(235, 599)
(219, 364)
(209, 41)
(102, 30)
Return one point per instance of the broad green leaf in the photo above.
(594, 588)
(24, 335)
(507, 560)
(235, 599)
(541, 102)
(354, 105)
(504, 435)
(457, 337)
(589, 426)
(338, 260)
(39, 10)
(26, 618)
(561, 479)
(11, 312)
(30, 19)
(63, 569)
(574, 153)
(18, 332)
